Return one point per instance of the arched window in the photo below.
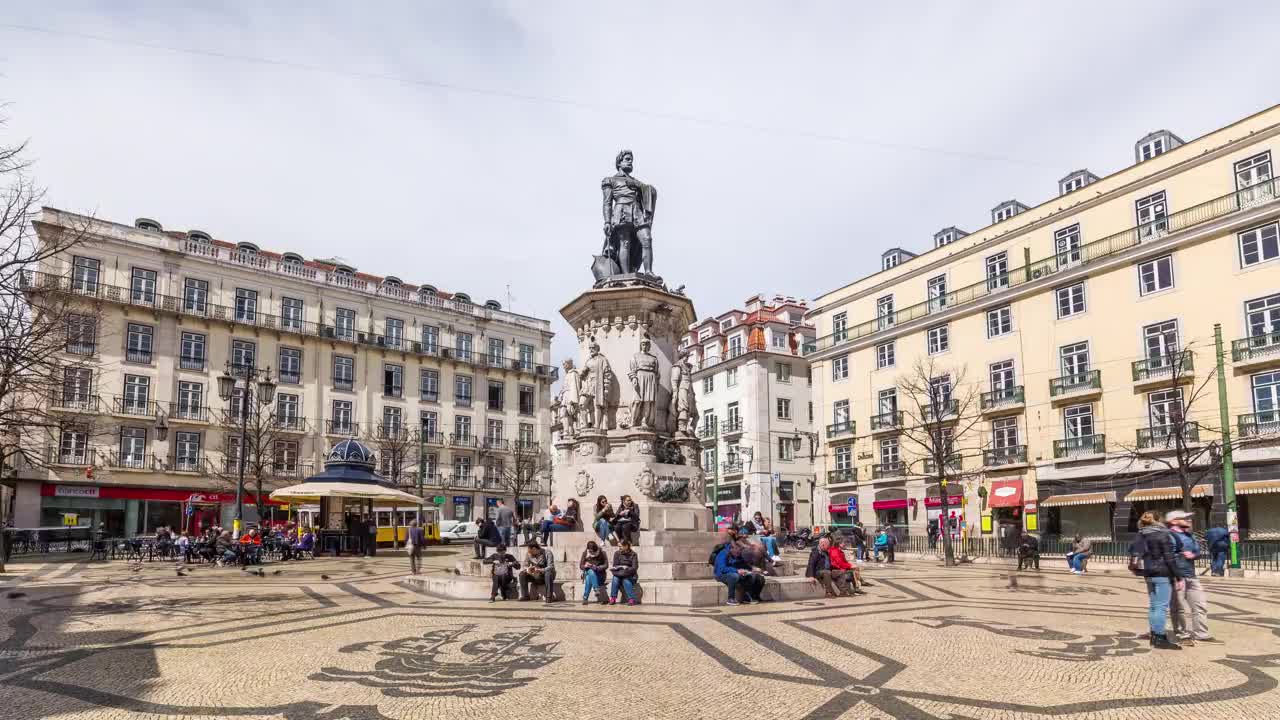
(391, 281)
(247, 248)
(462, 298)
(493, 305)
(147, 224)
(197, 236)
(291, 259)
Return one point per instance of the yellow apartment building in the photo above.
(1061, 345)
(455, 387)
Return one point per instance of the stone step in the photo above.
(673, 570)
(652, 591)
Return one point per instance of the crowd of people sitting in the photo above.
(508, 574)
(216, 545)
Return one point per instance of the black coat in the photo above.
(818, 562)
(1155, 546)
(626, 564)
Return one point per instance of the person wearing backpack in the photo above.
(1189, 610)
(1218, 541)
(1152, 557)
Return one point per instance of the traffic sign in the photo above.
(853, 505)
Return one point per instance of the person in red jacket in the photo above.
(842, 573)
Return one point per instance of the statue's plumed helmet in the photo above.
(617, 161)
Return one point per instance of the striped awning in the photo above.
(1257, 487)
(1168, 493)
(1096, 498)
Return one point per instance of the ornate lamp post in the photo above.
(228, 383)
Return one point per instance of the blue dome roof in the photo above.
(350, 452)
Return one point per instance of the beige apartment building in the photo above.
(147, 440)
(753, 393)
(1062, 342)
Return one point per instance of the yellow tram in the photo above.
(309, 515)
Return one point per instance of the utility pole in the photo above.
(715, 477)
(422, 469)
(1228, 463)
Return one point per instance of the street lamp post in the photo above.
(228, 383)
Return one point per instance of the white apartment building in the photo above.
(147, 439)
(753, 390)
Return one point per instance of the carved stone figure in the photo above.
(596, 382)
(628, 219)
(644, 381)
(691, 423)
(569, 401)
(583, 483)
(647, 482)
(681, 397)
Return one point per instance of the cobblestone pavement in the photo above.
(331, 639)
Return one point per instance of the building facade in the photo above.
(756, 427)
(1068, 352)
(447, 391)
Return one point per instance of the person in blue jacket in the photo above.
(1218, 540)
(733, 570)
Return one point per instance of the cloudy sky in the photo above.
(463, 143)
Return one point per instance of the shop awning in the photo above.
(889, 504)
(1257, 487)
(1005, 493)
(952, 501)
(361, 491)
(1168, 493)
(1097, 498)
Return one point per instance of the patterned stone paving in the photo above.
(333, 639)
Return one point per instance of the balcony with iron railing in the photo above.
(495, 443)
(1079, 447)
(36, 281)
(74, 401)
(732, 466)
(461, 481)
(954, 463)
(290, 423)
(188, 412)
(191, 362)
(347, 428)
(893, 469)
(1001, 456)
(290, 377)
(842, 477)
(428, 436)
(81, 347)
(463, 440)
(79, 457)
(525, 446)
(1256, 352)
(1260, 424)
(944, 411)
(197, 463)
(842, 429)
(1168, 437)
(731, 426)
(1076, 387)
(343, 384)
(1047, 269)
(133, 407)
(886, 421)
(1003, 400)
(1158, 369)
(292, 469)
(707, 430)
(137, 355)
(132, 461)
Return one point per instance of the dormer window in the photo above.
(1006, 210)
(726, 324)
(343, 271)
(946, 236)
(1156, 143)
(889, 261)
(426, 293)
(147, 224)
(195, 235)
(493, 304)
(892, 257)
(392, 281)
(291, 259)
(247, 248)
(1074, 181)
(462, 298)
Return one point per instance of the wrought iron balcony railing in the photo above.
(886, 421)
(122, 405)
(1076, 447)
(837, 477)
(1256, 347)
(954, 463)
(731, 426)
(888, 470)
(1002, 397)
(1009, 455)
(75, 401)
(188, 411)
(1088, 380)
(1167, 365)
(840, 429)
(341, 427)
(945, 410)
(1167, 436)
(1260, 424)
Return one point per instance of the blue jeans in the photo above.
(1075, 561)
(590, 582)
(627, 584)
(506, 534)
(602, 528)
(549, 527)
(1219, 562)
(1159, 589)
(770, 544)
(730, 581)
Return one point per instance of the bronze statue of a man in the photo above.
(628, 217)
(644, 381)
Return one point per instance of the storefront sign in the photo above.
(952, 501)
(1006, 493)
(836, 508)
(889, 504)
(461, 499)
(70, 519)
(75, 491)
(1029, 507)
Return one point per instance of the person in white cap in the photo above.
(1189, 611)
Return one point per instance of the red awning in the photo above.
(145, 493)
(889, 504)
(952, 501)
(1005, 493)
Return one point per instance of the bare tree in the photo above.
(48, 335)
(1173, 441)
(520, 470)
(397, 450)
(272, 450)
(940, 410)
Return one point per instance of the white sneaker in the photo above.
(777, 558)
(730, 601)
(1076, 572)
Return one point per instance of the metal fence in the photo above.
(1254, 554)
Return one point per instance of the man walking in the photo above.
(417, 539)
(506, 520)
(1189, 611)
(1218, 540)
(892, 537)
